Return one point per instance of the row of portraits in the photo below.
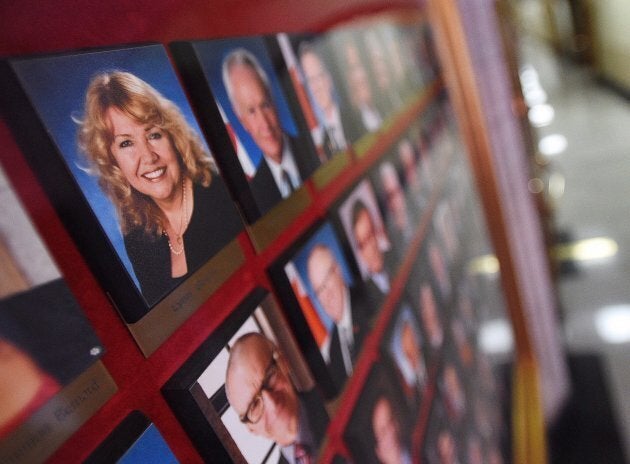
(258, 389)
(251, 391)
(141, 190)
(332, 282)
(244, 395)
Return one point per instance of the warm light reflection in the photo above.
(556, 185)
(541, 115)
(553, 144)
(586, 250)
(486, 264)
(613, 323)
(495, 337)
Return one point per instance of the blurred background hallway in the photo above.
(576, 85)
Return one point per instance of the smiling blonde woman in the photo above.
(154, 168)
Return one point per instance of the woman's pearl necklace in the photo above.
(183, 222)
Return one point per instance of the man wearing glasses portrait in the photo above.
(259, 388)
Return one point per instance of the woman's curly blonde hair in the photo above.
(145, 105)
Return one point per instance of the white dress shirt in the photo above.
(382, 281)
(345, 330)
(335, 128)
(288, 165)
(371, 118)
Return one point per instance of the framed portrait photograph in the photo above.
(357, 84)
(246, 395)
(404, 346)
(361, 221)
(236, 85)
(464, 324)
(326, 303)
(442, 439)
(136, 440)
(118, 150)
(412, 172)
(452, 388)
(380, 62)
(440, 268)
(407, 80)
(314, 77)
(438, 137)
(420, 291)
(418, 135)
(379, 429)
(49, 353)
(444, 226)
(400, 216)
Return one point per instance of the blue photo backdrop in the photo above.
(150, 447)
(324, 236)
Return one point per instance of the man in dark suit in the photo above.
(339, 130)
(344, 308)
(359, 89)
(400, 223)
(376, 263)
(259, 388)
(282, 170)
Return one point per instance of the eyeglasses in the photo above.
(256, 408)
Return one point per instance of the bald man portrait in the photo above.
(344, 305)
(259, 388)
(285, 164)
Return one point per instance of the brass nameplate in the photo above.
(363, 145)
(47, 429)
(389, 122)
(264, 231)
(170, 313)
(327, 172)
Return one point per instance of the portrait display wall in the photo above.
(291, 217)
(126, 152)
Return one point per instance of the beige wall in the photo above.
(611, 24)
